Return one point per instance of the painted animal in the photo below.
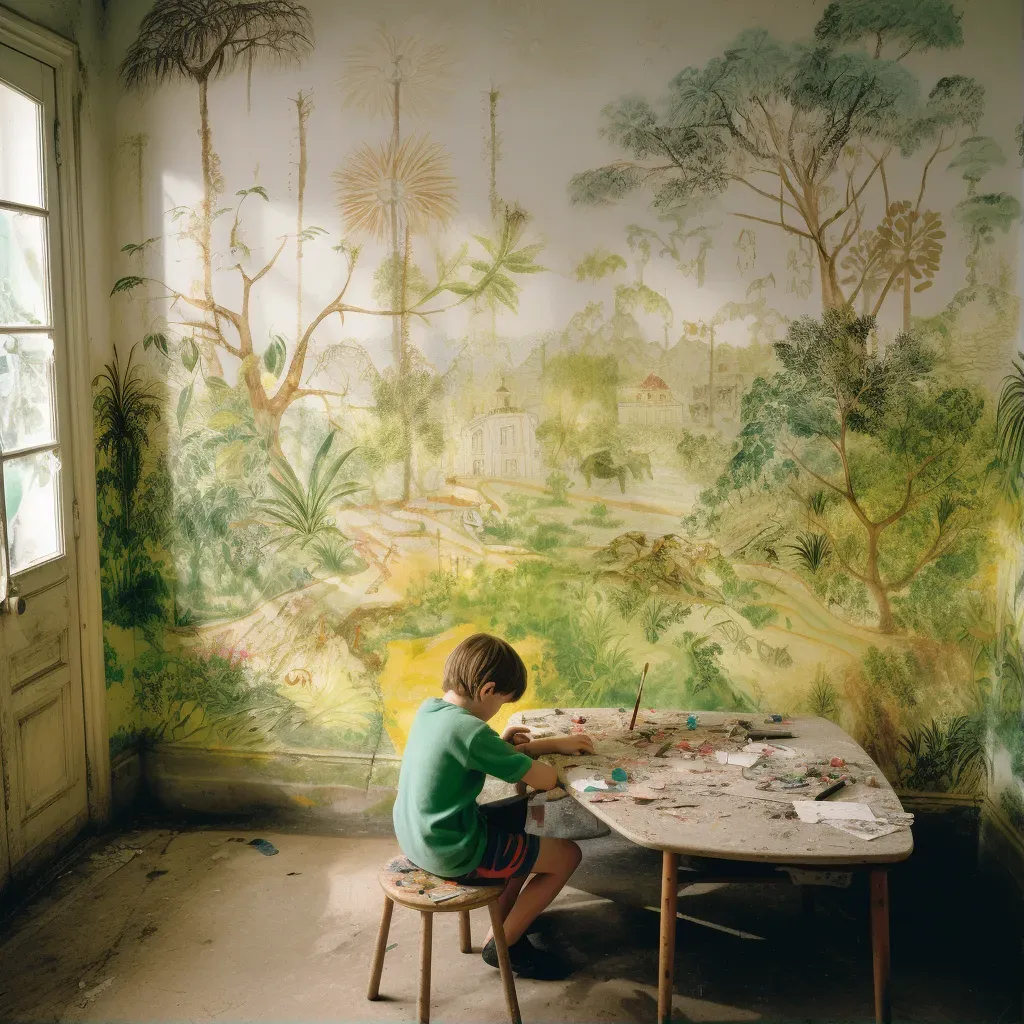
(603, 466)
(299, 677)
(639, 463)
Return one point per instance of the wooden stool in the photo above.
(407, 885)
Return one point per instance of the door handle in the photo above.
(13, 606)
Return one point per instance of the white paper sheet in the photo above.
(744, 759)
(812, 811)
(865, 829)
(582, 785)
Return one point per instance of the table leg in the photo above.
(880, 943)
(667, 947)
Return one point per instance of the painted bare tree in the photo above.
(200, 40)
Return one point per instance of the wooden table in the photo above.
(727, 817)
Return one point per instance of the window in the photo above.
(511, 467)
(508, 437)
(29, 446)
(478, 442)
(478, 467)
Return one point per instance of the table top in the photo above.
(680, 796)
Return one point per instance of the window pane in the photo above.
(23, 290)
(32, 497)
(26, 391)
(21, 165)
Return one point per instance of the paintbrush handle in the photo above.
(639, 694)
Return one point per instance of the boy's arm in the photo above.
(543, 776)
(579, 744)
(540, 776)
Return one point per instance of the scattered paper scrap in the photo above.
(812, 811)
(540, 732)
(443, 895)
(769, 748)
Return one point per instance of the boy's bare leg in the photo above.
(557, 860)
(506, 900)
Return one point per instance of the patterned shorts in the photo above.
(510, 852)
(507, 855)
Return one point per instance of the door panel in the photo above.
(42, 736)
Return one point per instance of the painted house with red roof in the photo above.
(650, 404)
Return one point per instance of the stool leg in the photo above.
(426, 941)
(501, 947)
(465, 932)
(378, 954)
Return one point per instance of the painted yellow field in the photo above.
(414, 672)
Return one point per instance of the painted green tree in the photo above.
(886, 461)
(806, 130)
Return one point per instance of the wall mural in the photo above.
(722, 397)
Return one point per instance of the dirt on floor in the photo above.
(198, 924)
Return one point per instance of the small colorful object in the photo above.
(620, 775)
(837, 762)
(691, 721)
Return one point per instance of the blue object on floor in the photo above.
(267, 849)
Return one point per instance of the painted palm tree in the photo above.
(381, 77)
(199, 40)
(409, 185)
(124, 407)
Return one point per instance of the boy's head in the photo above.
(485, 669)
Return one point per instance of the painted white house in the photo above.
(650, 404)
(500, 443)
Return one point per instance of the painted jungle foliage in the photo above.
(628, 337)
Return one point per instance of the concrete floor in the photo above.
(193, 924)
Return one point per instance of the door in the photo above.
(42, 728)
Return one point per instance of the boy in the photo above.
(437, 820)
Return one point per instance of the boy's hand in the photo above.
(517, 735)
(579, 744)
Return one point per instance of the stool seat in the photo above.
(417, 889)
(412, 887)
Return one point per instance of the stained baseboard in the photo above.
(127, 785)
(1001, 853)
(337, 789)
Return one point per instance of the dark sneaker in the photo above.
(528, 961)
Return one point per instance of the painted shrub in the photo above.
(699, 366)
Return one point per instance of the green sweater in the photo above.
(448, 753)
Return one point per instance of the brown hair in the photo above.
(480, 659)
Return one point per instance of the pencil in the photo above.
(639, 694)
